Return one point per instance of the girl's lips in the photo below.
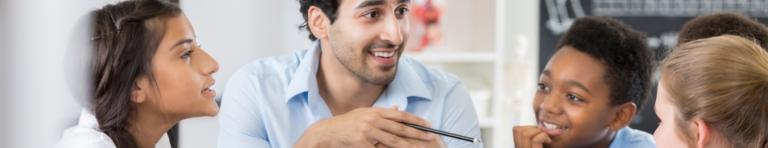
(552, 129)
(210, 93)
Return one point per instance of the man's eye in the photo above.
(574, 97)
(543, 86)
(401, 11)
(373, 14)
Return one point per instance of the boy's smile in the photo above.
(572, 104)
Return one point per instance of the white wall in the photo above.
(36, 104)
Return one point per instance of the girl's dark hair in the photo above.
(126, 36)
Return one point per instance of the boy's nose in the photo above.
(552, 105)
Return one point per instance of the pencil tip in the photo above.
(476, 141)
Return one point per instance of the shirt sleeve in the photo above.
(240, 121)
(459, 117)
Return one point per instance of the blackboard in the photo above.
(661, 20)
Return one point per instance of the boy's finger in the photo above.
(539, 140)
(521, 140)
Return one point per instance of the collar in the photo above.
(407, 83)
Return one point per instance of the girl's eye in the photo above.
(543, 87)
(186, 54)
(574, 97)
(373, 14)
(401, 11)
(658, 120)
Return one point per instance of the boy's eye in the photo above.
(186, 54)
(543, 87)
(373, 14)
(574, 97)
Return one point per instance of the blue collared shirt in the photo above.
(631, 138)
(271, 102)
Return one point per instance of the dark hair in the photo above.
(329, 7)
(625, 52)
(723, 23)
(126, 37)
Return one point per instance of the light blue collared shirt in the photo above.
(631, 138)
(270, 102)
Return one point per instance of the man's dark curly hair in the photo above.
(625, 52)
(329, 7)
(723, 23)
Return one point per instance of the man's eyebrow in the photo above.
(181, 42)
(547, 73)
(403, 1)
(577, 84)
(369, 3)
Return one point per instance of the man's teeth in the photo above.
(552, 126)
(384, 54)
(207, 89)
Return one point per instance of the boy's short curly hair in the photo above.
(723, 23)
(625, 52)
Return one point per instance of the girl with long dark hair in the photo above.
(146, 74)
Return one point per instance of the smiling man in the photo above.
(352, 88)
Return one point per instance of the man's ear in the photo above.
(318, 22)
(702, 131)
(622, 116)
(140, 90)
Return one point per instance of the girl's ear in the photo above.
(140, 90)
(702, 131)
(622, 116)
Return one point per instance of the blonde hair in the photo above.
(724, 81)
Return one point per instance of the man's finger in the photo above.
(391, 140)
(402, 130)
(379, 145)
(402, 116)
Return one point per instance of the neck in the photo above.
(341, 89)
(604, 142)
(148, 127)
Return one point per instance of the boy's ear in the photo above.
(622, 116)
(318, 22)
(140, 90)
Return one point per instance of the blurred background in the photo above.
(496, 47)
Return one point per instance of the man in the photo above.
(350, 89)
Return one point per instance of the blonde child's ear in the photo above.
(140, 90)
(622, 116)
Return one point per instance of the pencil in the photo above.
(444, 133)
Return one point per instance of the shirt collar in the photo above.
(407, 83)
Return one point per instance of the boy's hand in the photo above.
(530, 137)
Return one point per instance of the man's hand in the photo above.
(530, 137)
(366, 127)
(434, 143)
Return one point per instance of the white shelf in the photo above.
(452, 56)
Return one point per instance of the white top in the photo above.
(86, 135)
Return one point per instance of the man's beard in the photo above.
(346, 55)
